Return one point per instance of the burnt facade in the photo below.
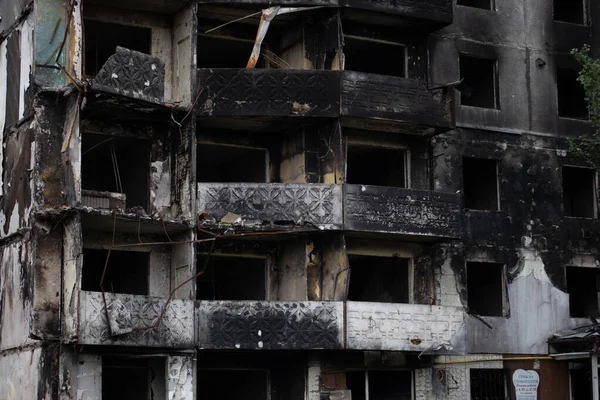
(321, 199)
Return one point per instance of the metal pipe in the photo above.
(595, 394)
(496, 359)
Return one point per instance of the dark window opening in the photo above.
(581, 383)
(478, 82)
(485, 4)
(582, 287)
(376, 166)
(579, 195)
(232, 278)
(571, 96)
(480, 184)
(102, 39)
(383, 385)
(118, 165)
(133, 379)
(485, 288)
(126, 272)
(221, 163)
(572, 11)
(375, 57)
(379, 279)
(211, 54)
(488, 384)
(233, 384)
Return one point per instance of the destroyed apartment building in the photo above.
(310, 200)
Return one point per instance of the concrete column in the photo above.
(313, 379)
(89, 377)
(180, 378)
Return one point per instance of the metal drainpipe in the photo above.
(595, 395)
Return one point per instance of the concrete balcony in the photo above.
(404, 327)
(315, 205)
(419, 213)
(410, 212)
(362, 100)
(269, 325)
(129, 321)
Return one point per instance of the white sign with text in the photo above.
(526, 383)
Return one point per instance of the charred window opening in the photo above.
(222, 163)
(571, 96)
(233, 384)
(232, 278)
(117, 165)
(486, 288)
(127, 272)
(485, 4)
(379, 279)
(380, 385)
(479, 82)
(582, 287)
(572, 11)
(579, 192)
(487, 384)
(132, 379)
(480, 183)
(374, 56)
(376, 166)
(211, 54)
(102, 39)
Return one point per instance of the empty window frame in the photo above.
(224, 163)
(571, 96)
(484, 4)
(374, 56)
(232, 278)
(380, 166)
(102, 39)
(380, 279)
(573, 11)
(479, 86)
(582, 287)
(486, 289)
(380, 385)
(126, 272)
(488, 384)
(579, 192)
(580, 381)
(225, 384)
(480, 184)
(211, 54)
(117, 164)
(133, 379)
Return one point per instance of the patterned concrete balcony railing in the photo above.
(299, 204)
(336, 207)
(132, 74)
(128, 317)
(270, 325)
(404, 327)
(438, 11)
(317, 93)
(402, 211)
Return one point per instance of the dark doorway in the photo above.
(582, 286)
(579, 193)
(571, 96)
(480, 183)
(232, 384)
(485, 288)
(221, 163)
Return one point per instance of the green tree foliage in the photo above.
(588, 146)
